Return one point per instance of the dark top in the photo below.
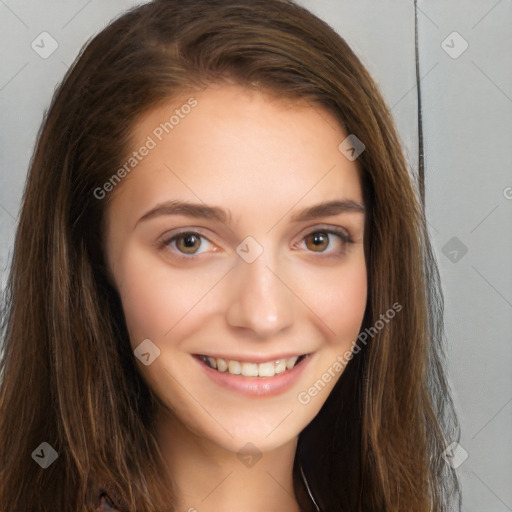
(109, 502)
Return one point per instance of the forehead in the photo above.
(228, 144)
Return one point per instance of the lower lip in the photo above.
(257, 386)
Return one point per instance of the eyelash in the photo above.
(341, 233)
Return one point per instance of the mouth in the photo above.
(265, 369)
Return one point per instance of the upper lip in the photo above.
(261, 358)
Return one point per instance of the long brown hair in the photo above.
(67, 372)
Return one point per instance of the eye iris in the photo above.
(190, 240)
(320, 240)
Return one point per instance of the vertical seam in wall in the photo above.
(421, 163)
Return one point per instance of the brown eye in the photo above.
(188, 243)
(334, 241)
(319, 240)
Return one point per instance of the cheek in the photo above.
(339, 300)
(154, 300)
(352, 298)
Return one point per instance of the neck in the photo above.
(209, 478)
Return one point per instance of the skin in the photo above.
(264, 159)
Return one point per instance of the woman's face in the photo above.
(218, 247)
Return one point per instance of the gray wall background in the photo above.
(465, 59)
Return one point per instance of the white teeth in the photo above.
(249, 369)
(234, 367)
(290, 363)
(280, 365)
(268, 369)
(222, 366)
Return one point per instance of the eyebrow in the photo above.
(201, 210)
(327, 209)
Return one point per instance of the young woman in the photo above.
(222, 293)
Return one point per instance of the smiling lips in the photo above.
(250, 369)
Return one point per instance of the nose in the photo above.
(258, 298)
